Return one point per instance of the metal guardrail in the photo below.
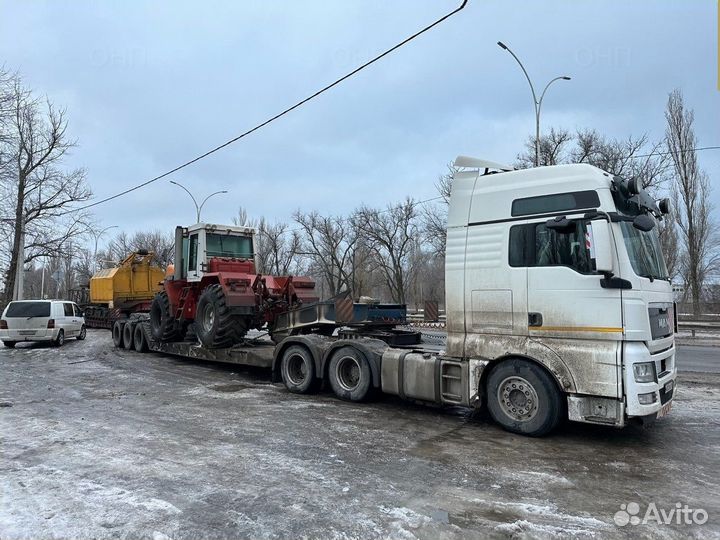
(417, 320)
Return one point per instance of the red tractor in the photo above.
(214, 284)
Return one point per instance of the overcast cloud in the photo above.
(148, 85)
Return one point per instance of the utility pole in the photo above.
(537, 103)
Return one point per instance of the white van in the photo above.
(41, 320)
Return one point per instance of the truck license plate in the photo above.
(665, 410)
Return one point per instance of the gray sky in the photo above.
(148, 85)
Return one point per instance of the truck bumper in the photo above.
(662, 388)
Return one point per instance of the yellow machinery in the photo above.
(127, 288)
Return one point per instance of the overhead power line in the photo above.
(676, 151)
(273, 118)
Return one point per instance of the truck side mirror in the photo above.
(644, 223)
(602, 246)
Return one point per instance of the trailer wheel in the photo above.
(297, 369)
(128, 332)
(523, 398)
(139, 340)
(216, 325)
(162, 322)
(117, 332)
(350, 375)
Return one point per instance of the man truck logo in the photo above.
(662, 322)
(680, 514)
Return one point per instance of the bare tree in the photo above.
(34, 143)
(630, 158)
(277, 249)
(390, 236)
(162, 244)
(329, 242)
(434, 216)
(552, 149)
(691, 197)
(633, 157)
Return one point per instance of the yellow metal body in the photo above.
(135, 279)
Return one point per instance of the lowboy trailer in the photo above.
(558, 302)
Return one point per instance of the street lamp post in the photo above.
(537, 103)
(198, 208)
(97, 237)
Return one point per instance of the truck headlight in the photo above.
(646, 399)
(644, 371)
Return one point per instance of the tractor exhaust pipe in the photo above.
(179, 263)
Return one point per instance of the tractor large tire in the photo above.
(216, 324)
(162, 323)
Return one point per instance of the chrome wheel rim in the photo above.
(347, 373)
(517, 398)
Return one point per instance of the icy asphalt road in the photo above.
(101, 443)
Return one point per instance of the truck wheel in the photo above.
(117, 332)
(523, 398)
(297, 369)
(128, 332)
(216, 325)
(349, 374)
(162, 322)
(139, 340)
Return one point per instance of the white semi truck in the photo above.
(558, 306)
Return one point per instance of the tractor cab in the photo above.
(207, 249)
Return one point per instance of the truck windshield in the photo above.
(234, 247)
(644, 251)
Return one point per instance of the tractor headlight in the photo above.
(644, 372)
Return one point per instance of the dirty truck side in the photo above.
(558, 307)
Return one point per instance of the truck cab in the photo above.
(200, 244)
(560, 269)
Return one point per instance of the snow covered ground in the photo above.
(101, 443)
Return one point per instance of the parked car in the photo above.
(41, 320)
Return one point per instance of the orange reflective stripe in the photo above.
(576, 329)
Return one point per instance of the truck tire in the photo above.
(139, 341)
(297, 370)
(128, 332)
(162, 323)
(523, 398)
(117, 333)
(216, 324)
(350, 375)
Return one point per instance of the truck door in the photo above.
(495, 294)
(193, 273)
(568, 309)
